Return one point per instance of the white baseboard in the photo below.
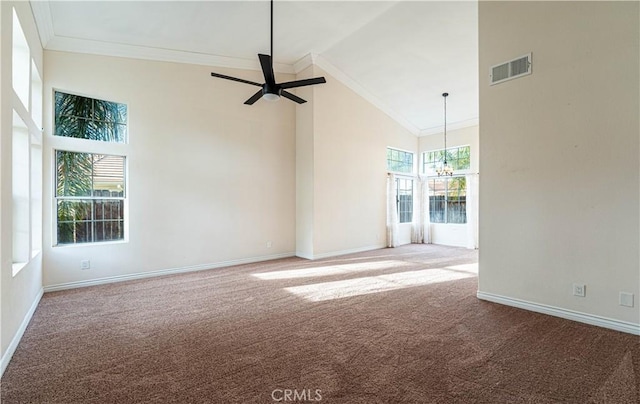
(11, 349)
(342, 252)
(631, 328)
(162, 272)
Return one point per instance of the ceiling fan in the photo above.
(271, 91)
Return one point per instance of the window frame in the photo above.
(397, 185)
(93, 200)
(93, 147)
(457, 171)
(125, 123)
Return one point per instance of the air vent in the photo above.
(512, 69)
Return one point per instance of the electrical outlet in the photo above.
(269, 244)
(626, 299)
(579, 290)
(85, 264)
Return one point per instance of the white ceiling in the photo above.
(401, 55)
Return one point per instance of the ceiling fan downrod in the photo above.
(270, 90)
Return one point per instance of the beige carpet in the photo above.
(389, 326)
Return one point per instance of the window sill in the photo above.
(99, 243)
(17, 267)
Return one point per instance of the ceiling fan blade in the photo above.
(267, 69)
(302, 83)
(254, 98)
(222, 76)
(292, 97)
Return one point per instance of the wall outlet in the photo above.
(579, 289)
(269, 244)
(85, 264)
(626, 299)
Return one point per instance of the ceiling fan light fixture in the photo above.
(271, 97)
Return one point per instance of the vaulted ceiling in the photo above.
(400, 55)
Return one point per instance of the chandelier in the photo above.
(445, 169)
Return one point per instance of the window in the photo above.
(90, 193)
(26, 150)
(399, 161)
(20, 62)
(20, 192)
(88, 118)
(90, 190)
(404, 197)
(457, 157)
(447, 200)
(36, 95)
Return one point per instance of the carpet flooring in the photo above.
(389, 326)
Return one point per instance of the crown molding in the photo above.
(66, 44)
(44, 22)
(308, 60)
(362, 92)
(452, 126)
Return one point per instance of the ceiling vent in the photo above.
(512, 69)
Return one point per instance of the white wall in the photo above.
(349, 138)
(559, 201)
(444, 233)
(211, 180)
(19, 293)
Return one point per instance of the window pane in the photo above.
(108, 174)
(73, 173)
(73, 105)
(405, 200)
(20, 172)
(73, 126)
(21, 59)
(399, 161)
(74, 221)
(88, 118)
(437, 200)
(457, 207)
(109, 220)
(87, 220)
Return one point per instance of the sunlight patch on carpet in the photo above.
(332, 270)
(318, 292)
(471, 268)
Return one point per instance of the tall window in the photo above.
(457, 157)
(447, 200)
(90, 193)
(26, 150)
(399, 161)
